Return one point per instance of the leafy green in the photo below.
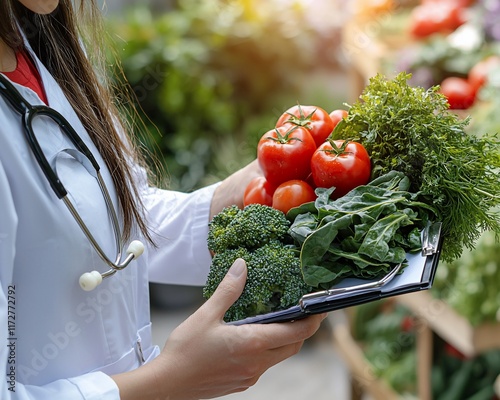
(410, 129)
(470, 284)
(388, 333)
(363, 234)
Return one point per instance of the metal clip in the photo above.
(364, 286)
(430, 238)
(139, 351)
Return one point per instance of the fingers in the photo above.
(288, 338)
(228, 290)
(282, 353)
(281, 334)
(270, 344)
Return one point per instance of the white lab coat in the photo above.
(60, 342)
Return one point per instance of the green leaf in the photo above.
(376, 242)
(316, 275)
(365, 233)
(362, 261)
(303, 226)
(318, 242)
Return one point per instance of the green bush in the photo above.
(470, 283)
(212, 77)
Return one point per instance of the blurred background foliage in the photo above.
(213, 76)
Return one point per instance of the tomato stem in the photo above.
(336, 149)
(283, 139)
(302, 120)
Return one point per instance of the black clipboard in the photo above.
(417, 275)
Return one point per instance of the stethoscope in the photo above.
(89, 280)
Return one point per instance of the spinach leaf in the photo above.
(376, 243)
(363, 234)
(318, 242)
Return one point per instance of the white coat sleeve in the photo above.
(180, 225)
(92, 386)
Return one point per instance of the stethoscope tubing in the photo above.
(28, 113)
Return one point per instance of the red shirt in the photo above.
(27, 75)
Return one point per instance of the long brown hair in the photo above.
(57, 40)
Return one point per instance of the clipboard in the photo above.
(417, 275)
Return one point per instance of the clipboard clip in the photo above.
(430, 238)
(348, 289)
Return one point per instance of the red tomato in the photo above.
(340, 164)
(258, 191)
(452, 351)
(459, 92)
(462, 3)
(478, 74)
(284, 153)
(292, 194)
(436, 17)
(337, 116)
(315, 119)
(407, 323)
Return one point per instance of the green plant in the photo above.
(387, 332)
(209, 76)
(470, 284)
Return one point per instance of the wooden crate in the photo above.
(433, 316)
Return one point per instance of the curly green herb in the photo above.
(410, 129)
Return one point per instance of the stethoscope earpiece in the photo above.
(90, 280)
(136, 247)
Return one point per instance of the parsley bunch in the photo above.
(410, 129)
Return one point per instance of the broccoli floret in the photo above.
(259, 235)
(251, 227)
(274, 280)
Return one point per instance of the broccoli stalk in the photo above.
(259, 235)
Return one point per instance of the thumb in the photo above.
(229, 289)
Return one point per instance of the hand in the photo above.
(232, 189)
(206, 358)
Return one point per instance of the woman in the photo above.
(59, 340)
